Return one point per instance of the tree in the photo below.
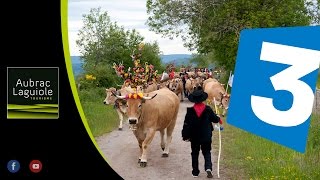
(102, 43)
(215, 25)
(151, 54)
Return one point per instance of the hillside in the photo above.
(76, 65)
(178, 59)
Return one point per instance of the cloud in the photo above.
(128, 13)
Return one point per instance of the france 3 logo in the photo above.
(274, 83)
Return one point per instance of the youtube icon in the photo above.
(35, 166)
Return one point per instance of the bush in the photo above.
(101, 76)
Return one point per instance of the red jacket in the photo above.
(171, 75)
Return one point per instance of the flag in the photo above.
(230, 80)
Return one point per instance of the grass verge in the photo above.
(101, 118)
(247, 156)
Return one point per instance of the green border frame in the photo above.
(65, 41)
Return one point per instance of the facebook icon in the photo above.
(13, 166)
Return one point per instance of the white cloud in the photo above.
(128, 13)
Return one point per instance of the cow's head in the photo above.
(225, 99)
(140, 89)
(174, 83)
(110, 98)
(134, 106)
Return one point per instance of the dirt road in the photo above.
(122, 151)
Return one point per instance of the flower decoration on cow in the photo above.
(140, 74)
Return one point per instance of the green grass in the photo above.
(246, 156)
(101, 118)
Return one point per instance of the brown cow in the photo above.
(198, 81)
(119, 104)
(190, 85)
(150, 87)
(191, 74)
(208, 80)
(146, 115)
(176, 75)
(176, 86)
(217, 91)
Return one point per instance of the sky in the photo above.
(131, 14)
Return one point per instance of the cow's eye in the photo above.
(139, 106)
(127, 105)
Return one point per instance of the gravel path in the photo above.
(122, 151)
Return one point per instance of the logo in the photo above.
(274, 83)
(33, 93)
(35, 166)
(13, 166)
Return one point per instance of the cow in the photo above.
(151, 86)
(216, 91)
(149, 114)
(148, 87)
(176, 86)
(164, 84)
(119, 104)
(191, 74)
(176, 75)
(208, 80)
(190, 85)
(198, 81)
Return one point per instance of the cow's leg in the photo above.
(140, 138)
(162, 144)
(120, 119)
(140, 146)
(181, 95)
(169, 138)
(145, 144)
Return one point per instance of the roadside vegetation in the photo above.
(101, 118)
(248, 156)
(102, 44)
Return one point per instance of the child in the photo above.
(198, 129)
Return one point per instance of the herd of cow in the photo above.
(155, 107)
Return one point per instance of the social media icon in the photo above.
(35, 166)
(13, 166)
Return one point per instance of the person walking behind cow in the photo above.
(184, 80)
(197, 129)
(171, 74)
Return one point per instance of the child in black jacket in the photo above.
(198, 129)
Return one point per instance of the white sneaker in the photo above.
(209, 173)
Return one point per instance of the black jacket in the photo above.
(199, 129)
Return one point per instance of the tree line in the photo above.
(212, 27)
(103, 42)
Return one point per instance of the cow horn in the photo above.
(119, 97)
(119, 85)
(148, 98)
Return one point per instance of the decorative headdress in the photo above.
(140, 74)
